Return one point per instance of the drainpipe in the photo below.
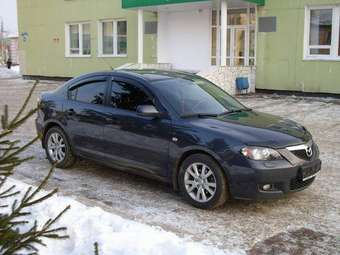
(224, 23)
(140, 36)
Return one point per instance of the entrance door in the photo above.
(241, 37)
(236, 46)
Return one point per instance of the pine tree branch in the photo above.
(23, 148)
(13, 238)
(24, 106)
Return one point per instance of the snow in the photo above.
(114, 234)
(5, 73)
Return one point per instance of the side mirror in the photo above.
(148, 111)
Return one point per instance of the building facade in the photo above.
(13, 47)
(278, 45)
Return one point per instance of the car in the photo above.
(179, 128)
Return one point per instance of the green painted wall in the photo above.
(44, 21)
(280, 63)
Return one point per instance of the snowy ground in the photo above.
(264, 227)
(12, 73)
(114, 234)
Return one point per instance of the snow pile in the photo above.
(114, 234)
(5, 73)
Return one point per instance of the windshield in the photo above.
(196, 96)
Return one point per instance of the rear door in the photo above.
(135, 141)
(85, 114)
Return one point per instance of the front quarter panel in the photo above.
(187, 139)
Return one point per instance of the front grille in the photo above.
(301, 154)
(300, 151)
(296, 184)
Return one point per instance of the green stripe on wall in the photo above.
(144, 3)
(259, 2)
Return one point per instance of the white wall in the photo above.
(184, 39)
(8, 13)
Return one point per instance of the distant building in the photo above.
(279, 45)
(13, 49)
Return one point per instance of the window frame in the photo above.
(115, 39)
(68, 53)
(86, 81)
(248, 28)
(135, 84)
(334, 47)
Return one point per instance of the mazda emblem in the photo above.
(309, 151)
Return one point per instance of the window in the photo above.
(241, 37)
(322, 35)
(92, 93)
(195, 96)
(78, 39)
(128, 97)
(113, 38)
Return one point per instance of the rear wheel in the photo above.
(202, 182)
(58, 149)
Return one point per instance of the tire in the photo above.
(189, 185)
(68, 159)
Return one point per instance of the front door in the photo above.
(84, 114)
(131, 140)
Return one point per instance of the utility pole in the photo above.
(2, 41)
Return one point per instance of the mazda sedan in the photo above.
(178, 128)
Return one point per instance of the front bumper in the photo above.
(247, 182)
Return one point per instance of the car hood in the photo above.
(257, 129)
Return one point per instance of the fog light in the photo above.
(267, 187)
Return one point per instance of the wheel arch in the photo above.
(48, 126)
(189, 152)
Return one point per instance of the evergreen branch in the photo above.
(4, 118)
(24, 106)
(18, 123)
(5, 133)
(23, 148)
(13, 239)
(96, 249)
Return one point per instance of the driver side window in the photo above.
(127, 96)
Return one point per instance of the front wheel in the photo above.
(202, 182)
(58, 149)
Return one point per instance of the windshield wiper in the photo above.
(236, 111)
(199, 115)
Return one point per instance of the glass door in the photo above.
(241, 37)
(236, 46)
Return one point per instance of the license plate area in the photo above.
(309, 171)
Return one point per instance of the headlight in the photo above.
(260, 153)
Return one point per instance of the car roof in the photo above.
(149, 75)
(152, 75)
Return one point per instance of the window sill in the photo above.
(78, 56)
(324, 58)
(112, 56)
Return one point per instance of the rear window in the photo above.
(91, 93)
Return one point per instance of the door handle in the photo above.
(111, 120)
(70, 112)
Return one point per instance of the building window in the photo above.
(322, 35)
(241, 37)
(113, 38)
(78, 40)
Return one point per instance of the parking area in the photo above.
(309, 219)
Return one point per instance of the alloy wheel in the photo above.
(200, 182)
(56, 147)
